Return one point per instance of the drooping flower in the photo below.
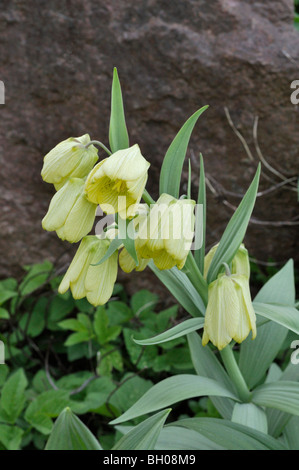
(117, 182)
(240, 262)
(230, 314)
(166, 235)
(128, 264)
(239, 265)
(69, 158)
(85, 280)
(70, 213)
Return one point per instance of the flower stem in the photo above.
(227, 270)
(235, 373)
(147, 198)
(100, 144)
(193, 273)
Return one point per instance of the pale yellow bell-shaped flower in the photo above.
(70, 213)
(117, 182)
(240, 263)
(69, 159)
(127, 263)
(229, 313)
(166, 236)
(93, 282)
(247, 321)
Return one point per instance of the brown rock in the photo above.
(172, 58)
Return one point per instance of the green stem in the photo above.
(193, 273)
(147, 198)
(100, 144)
(235, 373)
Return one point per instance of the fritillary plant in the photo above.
(233, 340)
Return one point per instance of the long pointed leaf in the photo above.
(282, 395)
(235, 231)
(118, 134)
(250, 415)
(173, 390)
(170, 176)
(143, 436)
(281, 314)
(178, 438)
(206, 364)
(69, 433)
(177, 331)
(231, 436)
(181, 288)
(256, 356)
(199, 254)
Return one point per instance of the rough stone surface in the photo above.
(172, 57)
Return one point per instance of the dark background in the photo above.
(57, 59)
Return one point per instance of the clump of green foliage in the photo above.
(61, 352)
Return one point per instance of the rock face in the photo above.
(172, 58)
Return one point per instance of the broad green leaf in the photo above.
(77, 338)
(206, 364)
(231, 436)
(144, 436)
(177, 331)
(60, 307)
(111, 359)
(199, 254)
(143, 302)
(9, 284)
(33, 323)
(178, 438)
(69, 433)
(118, 134)
(282, 395)
(118, 312)
(13, 395)
(256, 356)
(11, 436)
(6, 295)
(281, 314)
(173, 390)
(277, 419)
(4, 315)
(251, 416)
(46, 406)
(142, 357)
(164, 318)
(235, 230)
(280, 289)
(274, 373)
(3, 373)
(181, 288)
(37, 275)
(291, 433)
(170, 176)
(72, 324)
(103, 331)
